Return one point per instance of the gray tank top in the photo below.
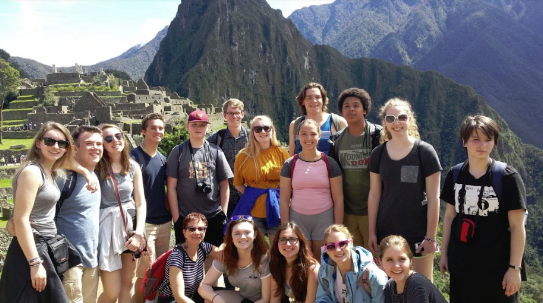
(125, 184)
(42, 215)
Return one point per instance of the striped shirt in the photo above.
(193, 272)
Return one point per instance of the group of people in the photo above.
(346, 193)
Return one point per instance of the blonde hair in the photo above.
(105, 162)
(234, 103)
(35, 155)
(395, 241)
(252, 150)
(412, 130)
(339, 228)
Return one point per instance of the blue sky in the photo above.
(89, 31)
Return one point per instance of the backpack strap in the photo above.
(365, 280)
(375, 134)
(497, 174)
(220, 137)
(297, 123)
(336, 122)
(325, 159)
(293, 165)
(67, 190)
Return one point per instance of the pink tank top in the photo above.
(311, 188)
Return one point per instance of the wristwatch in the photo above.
(515, 267)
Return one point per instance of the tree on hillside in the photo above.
(119, 74)
(9, 80)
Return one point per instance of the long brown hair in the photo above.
(300, 268)
(105, 162)
(35, 154)
(231, 257)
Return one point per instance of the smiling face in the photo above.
(116, 145)
(309, 136)
(313, 100)
(90, 149)
(233, 116)
(479, 146)
(51, 153)
(154, 131)
(396, 264)
(262, 137)
(243, 235)
(197, 236)
(397, 128)
(339, 255)
(353, 110)
(289, 250)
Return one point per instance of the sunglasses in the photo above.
(194, 228)
(292, 241)
(51, 142)
(117, 136)
(392, 118)
(259, 129)
(334, 246)
(240, 217)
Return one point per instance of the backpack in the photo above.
(220, 137)
(335, 121)
(293, 164)
(154, 275)
(67, 190)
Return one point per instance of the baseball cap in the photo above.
(198, 116)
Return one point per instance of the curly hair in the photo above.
(358, 93)
(151, 116)
(301, 96)
(194, 216)
(412, 130)
(103, 165)
(231, 256)
(300, 268)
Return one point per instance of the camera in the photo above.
(203, 188)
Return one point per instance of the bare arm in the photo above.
(206, 288)
(312, 284)
(373, 206)
(90, 177)
(171, 184)
(284, 197)
(291, 139)
(225, 195)
(432, 194)
(177, 284)
(217, 252)
(336, 187)
(511, 280)
(450, 214)
(273, 288)
(240, 188)
(136, 241)
(266, 290)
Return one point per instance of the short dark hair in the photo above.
(301, 96)
(84, 129)
(358, 93)
(194, 216)
(151, 116)
(473, 123)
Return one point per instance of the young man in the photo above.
(158, 223)
(79, 216)
(351, 148)
(198, 176)
(231, 140)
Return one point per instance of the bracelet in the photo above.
(429, 239)
(32, 260)
(36, 263)
(138, 233)
(214, 298)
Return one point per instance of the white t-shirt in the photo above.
(341, 288)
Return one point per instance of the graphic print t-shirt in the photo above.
(487, 254)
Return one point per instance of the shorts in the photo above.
(313, 226)
(262, 223)
(214, 233)
(412, 241)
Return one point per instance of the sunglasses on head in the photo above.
(334, 246)
(194, 228)
(392, 118)
(241, 217)
(117, 136)
(259, 129)
(51, 142)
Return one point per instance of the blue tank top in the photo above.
(326, 132)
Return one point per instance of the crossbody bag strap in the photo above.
(112, 175)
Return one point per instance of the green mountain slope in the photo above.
(215, 50)
(491, 45)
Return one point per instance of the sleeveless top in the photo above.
(125, 184)
(326, 132)
(42, 214)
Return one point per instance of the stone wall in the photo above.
(63, 78)
(28, 91)
(18, 134)
(18, 105)
(60, 118)
(17, 115)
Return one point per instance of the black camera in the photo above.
(203, 188)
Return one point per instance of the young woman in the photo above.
(347, 273)
(315, 185)
(120, 179)
(313, 100)
(185, 265)
(405, 285)
(245, 264)
(486, 204)
(256, 171)
(294, 270)
(404, 186)
(29, 274)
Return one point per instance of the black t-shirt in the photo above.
(486, 256)
(418, 289)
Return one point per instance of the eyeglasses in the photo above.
(234, 113)
(392, 118)
(199, 228)
(51, 142)
(334, 246)
(291, 240)
(117, 136)
(259, 129)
